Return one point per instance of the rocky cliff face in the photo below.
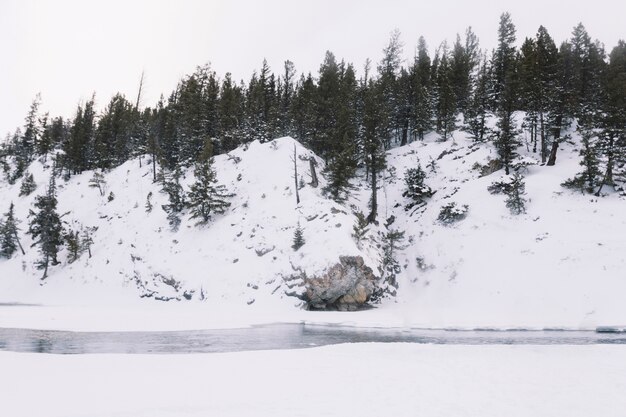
(346, 286)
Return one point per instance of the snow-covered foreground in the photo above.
(344, 380)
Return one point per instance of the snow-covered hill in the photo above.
(559, 265)
(239, 257)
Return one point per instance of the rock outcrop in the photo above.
(346, 286)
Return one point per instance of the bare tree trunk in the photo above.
(405, 132)
(45, 271)
(295, 174)
(139, 93)
(555, 143)
(374, 208)
(314, 182)
(543, 138)
(154, 176)
(19, 244)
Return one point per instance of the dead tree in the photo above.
(314, 182)
(295, 174)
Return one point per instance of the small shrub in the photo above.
(451, 213)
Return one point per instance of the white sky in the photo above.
(68, 49)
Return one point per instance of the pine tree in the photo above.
(32, 132)
(342, 163)
(506, 138)
(298, 238)
(78, 147)
(612, 123)
(72, 242)
(392, 243)
(416, 190)
(515, 201)
(86, 240)
(421, 105)
(231, 108)
(589, 178)
(9, 240)
(374, 129)
(503, 60)
(98, 181)
(28, 185)
(176, 197)
(205, 197)
(46, 229)
(148, 204)
(506, 134)
(475, 115)
(360, 228)
(446, 100)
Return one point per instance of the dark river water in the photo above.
(278, 336)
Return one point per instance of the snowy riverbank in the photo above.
(361, 380)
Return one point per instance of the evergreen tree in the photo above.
(46, 229)
(298, 238)
(506, 138)
(374, 128)
(32, 133)
(475, 114)
(72, 242)
(416, 190)
(503, 60)
(515, 201)
(9, 240)
(98, 181)
(342, 163)
(589, 178)
(28, 185)
(86, 240)
(205, 197)
(360, 228)
(176, 196)
(446, 100)
(392, 243)
(612, 123)
(421, 105)
(231, 107)
(80, 142)
(45, 143)
(388, 100)
(303, 110)
(113, 139)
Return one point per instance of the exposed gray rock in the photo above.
(346, 286)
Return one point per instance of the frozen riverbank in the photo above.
(364, 380)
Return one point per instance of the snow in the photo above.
(352, 379)
(559, 265)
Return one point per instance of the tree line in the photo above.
(350, 120)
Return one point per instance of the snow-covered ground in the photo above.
(344, 380)
(560, 265)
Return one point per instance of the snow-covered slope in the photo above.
(562, 263)
(559, 265)
(239, 257)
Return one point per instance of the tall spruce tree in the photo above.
(503, 59)
(422, 102)
(206, 198)
(9, 239)
(446, 100)
(46, 229)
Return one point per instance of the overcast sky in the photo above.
(68, 49)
